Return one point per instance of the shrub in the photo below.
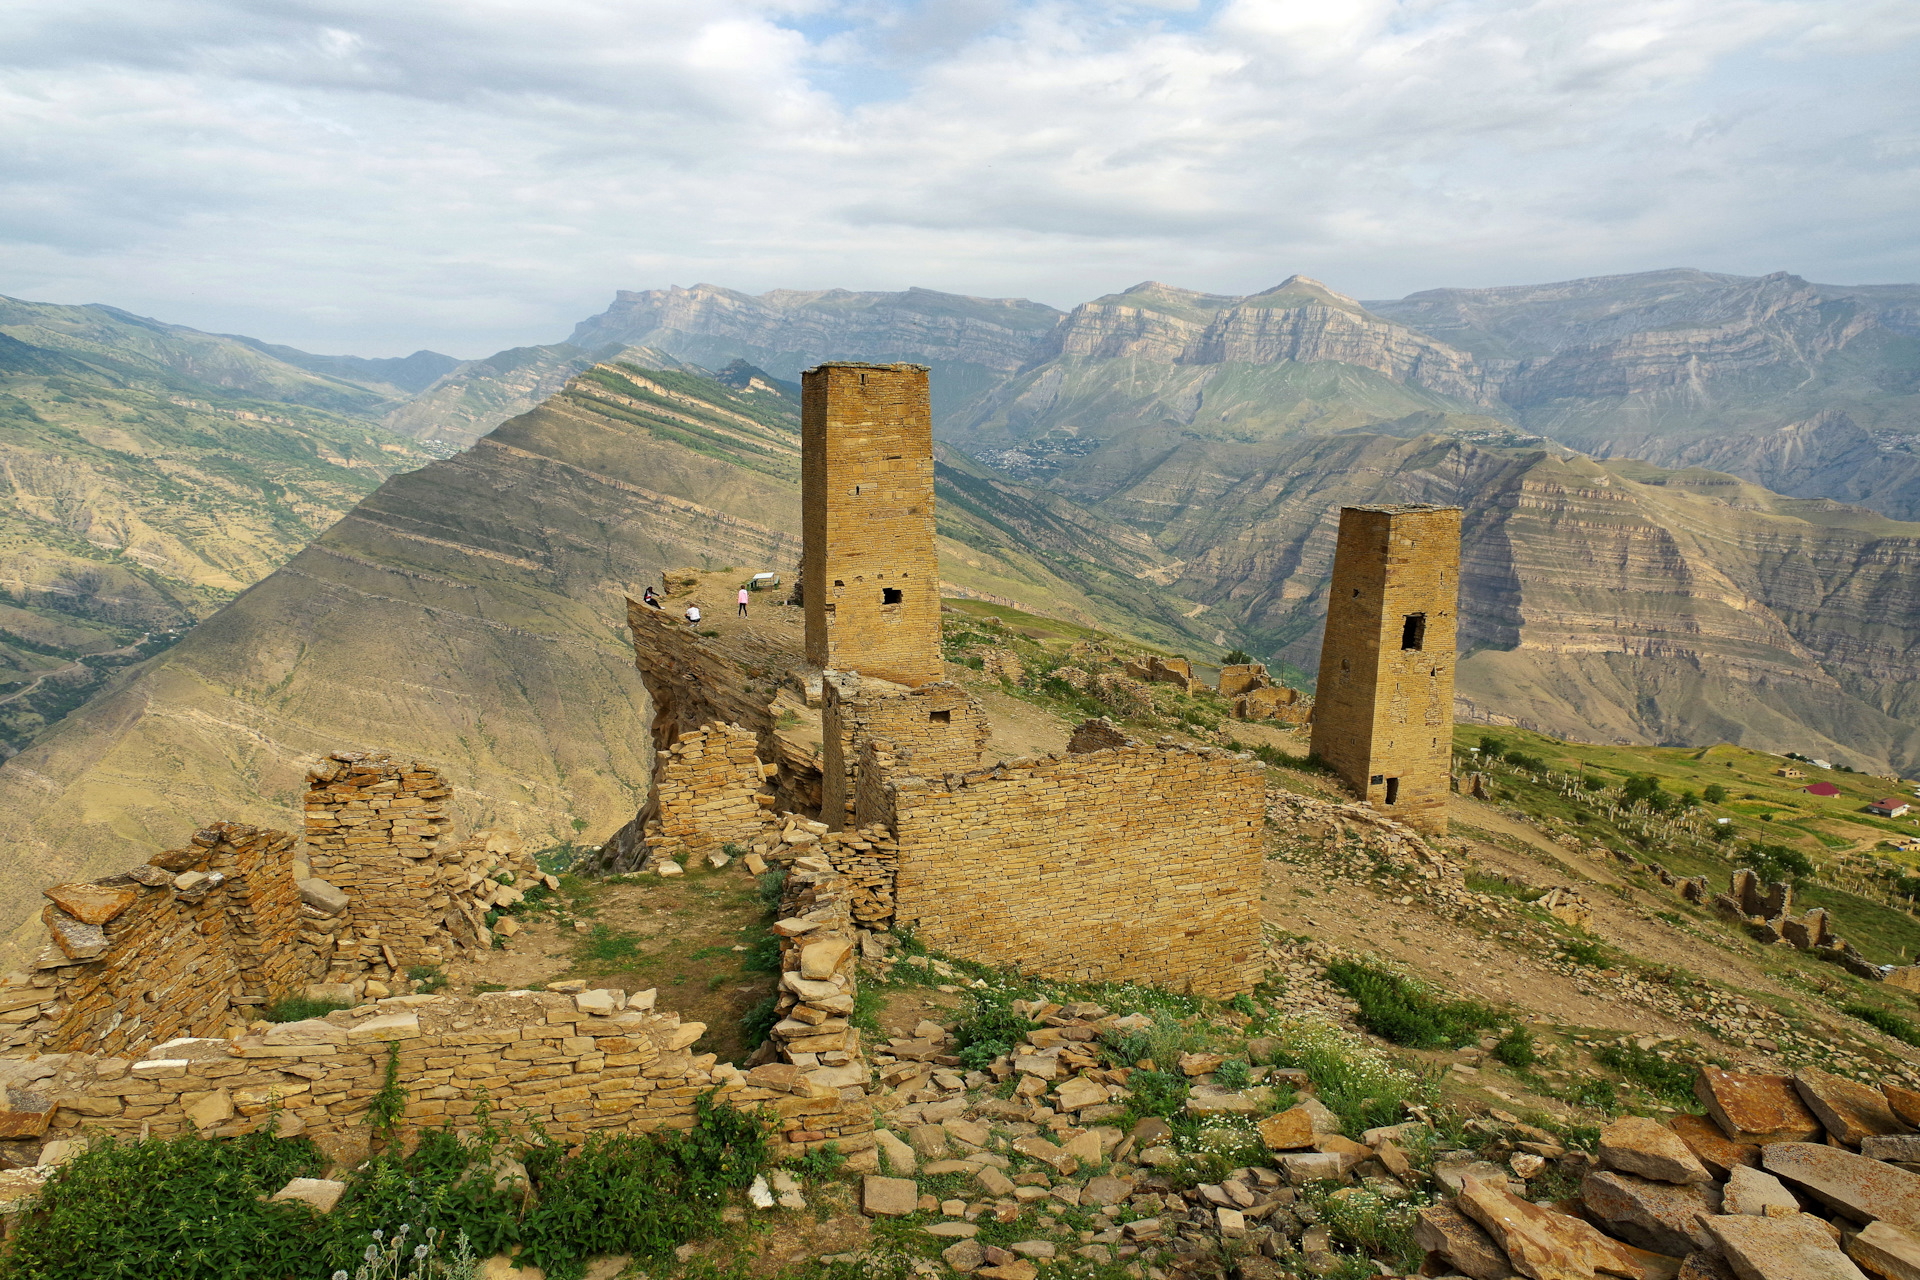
(771, 886)
(1886, 1020)
(989, 1027)
(1594, 784)
(1640, 786)
(1493, 748)
(1517, 1048)
(1238, 657)
(1127, 1047)
(1405, 1012)
(821, 1163)
(763, 956)
(756, 1024)
(1669, 1080)
(1233, 1074)
(1354, 1080)
(1591, 954)
(1714, 794)
(1156, 1093)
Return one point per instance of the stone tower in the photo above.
(1383, 710)
(869, 574)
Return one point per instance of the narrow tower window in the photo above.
(1413, 632)
(940, 717)
(1393, 790)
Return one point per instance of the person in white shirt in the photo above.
(693, 615)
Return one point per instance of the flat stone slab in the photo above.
(1754, 1192)
(953, 1230)
(1543, 1244)
(1863, 1188)
(889, 1197)
(1756, 1108)
(1637, 1145)
(1661, 1216)
(1462, 1242)
(1886, 1250)
(1290, 1130)
(1711, 1147)
(1900, 1146)
(91, 903)
(1848, 1110)
(321, 1193)
(1219, 1102)
(1905, 1103)
(1796, 1248)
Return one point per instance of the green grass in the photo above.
(1406, 1012)
(299, 1009)
(1671, 1081)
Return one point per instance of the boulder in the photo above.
(1290, 1130)
(965, 1256)
(1078, 1093)
(1712, 1148)
(1864, 1189)
(1542, 1244)
(1754, 1193)
(889, 1197)
(1755, 1108)
(1661, 1216)
(1904, 1102)
(1850, 1112)
(1637, 1145)
(1463, 1243)
(1886, 1250)
(1200, 1064)
(1794, 1248)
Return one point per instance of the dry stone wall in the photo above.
(184, 945)
(712, 790)
(1129, 863)
(936, 729)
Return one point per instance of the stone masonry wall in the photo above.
(184, 945)
(573, 1062)
(1133, 862)
(870, 576)
(936, 729)
(1383, 710)
(376, 830)
(711, 791)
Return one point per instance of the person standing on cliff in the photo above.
(743, 602)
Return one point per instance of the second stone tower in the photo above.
(871, 579)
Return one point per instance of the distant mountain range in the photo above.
(1158, 461)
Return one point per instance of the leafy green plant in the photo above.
(756, 1024)
(1406, 1012)
(1233, 1074)
(1156, 1093)
(1581, 951)
(1127, 1047)
(427, 978)
(1378, 1227)
(1885, 1020)
(1714, 793)
(820, 1164)
(763, 956)
(769, 888)
(300, 1008)
(1517, 1048)
(389, 1103)
(989, 1027)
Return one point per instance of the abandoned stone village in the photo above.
(1114, 861)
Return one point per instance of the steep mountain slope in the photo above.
(1662, 364)
(970, 343)
(1605, 600)
(147, 474)
(471, 614)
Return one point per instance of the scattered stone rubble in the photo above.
(1792, 1178)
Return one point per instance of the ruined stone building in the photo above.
(1383, 710)
(1112, 861)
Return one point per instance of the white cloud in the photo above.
(372, 175)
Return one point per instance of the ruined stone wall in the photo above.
(1383, 710)
(1273, 702)
(710, 791)
(574, 1063)
(870, 575)
(185, 945)
(1238, 677)
(378, 831)
(1097, 735)
(936, 729)
(1157, 670)
(1132, 863)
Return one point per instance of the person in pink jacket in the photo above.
(743, 602)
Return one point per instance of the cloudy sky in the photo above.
(373, 176)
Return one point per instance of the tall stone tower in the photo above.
(1383, 710)
(869, 572)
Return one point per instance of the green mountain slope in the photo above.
(148, 473)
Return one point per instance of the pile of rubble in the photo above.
(1803, 1177)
